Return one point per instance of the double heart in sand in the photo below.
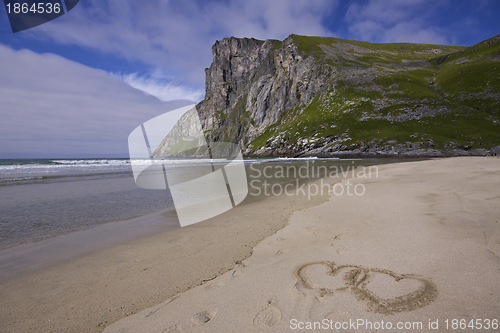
(385, 291)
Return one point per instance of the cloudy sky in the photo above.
(78, 85)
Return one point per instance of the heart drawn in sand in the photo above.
(385, 291)
(326, 277)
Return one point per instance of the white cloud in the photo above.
(178, 35)
(415, 33)
(395, 21)
(165, 91)
(52, 106)
(277, 19)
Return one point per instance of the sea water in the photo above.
(46, 198)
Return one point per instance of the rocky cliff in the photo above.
(330, 97)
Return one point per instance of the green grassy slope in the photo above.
(421, 96)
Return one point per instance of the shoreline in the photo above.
(403, 154)
(46, 208)
(102, 287)
(36, 256)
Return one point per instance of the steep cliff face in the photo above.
(251, 83)
(331, 97)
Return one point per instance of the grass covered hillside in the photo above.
(389, 94)
(367, 99)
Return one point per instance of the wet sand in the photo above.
(35, 256)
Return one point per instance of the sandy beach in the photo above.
(421, 245)
(88, 293)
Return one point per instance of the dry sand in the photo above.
(422, 244)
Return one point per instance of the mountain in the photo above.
(319, 96)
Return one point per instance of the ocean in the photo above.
(43, 198)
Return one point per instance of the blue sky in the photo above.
(91, 76)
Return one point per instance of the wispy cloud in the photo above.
(178, 35)
(278, 19)
(162, 89)
(54, 106)
(395, 21)
(76, 110)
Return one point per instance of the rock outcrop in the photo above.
(330, 97)
(251, 83)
